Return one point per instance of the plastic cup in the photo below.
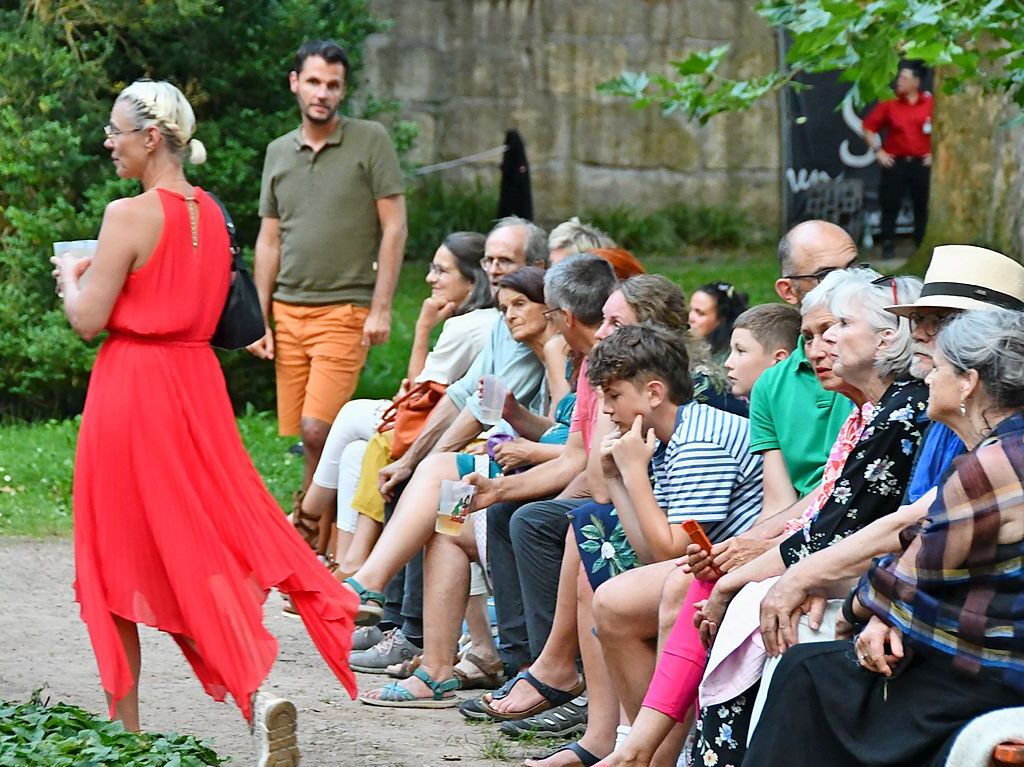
(453, 507)
(76, 248)
(492, 399)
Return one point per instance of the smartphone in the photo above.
(693, 529)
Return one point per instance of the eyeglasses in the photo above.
(929, 323)
(821, 274)
(110, 131)
(499, 261)
(548, 312)
(438, 270)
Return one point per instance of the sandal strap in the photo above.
(365, 595)
(438, 688)
(551, 694)
(495, 667)
(587, 759)
(393, 692)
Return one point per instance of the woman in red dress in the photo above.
(173, 525)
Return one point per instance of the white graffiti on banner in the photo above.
(847, 157)
(803, 179)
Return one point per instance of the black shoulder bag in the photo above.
(241, 322)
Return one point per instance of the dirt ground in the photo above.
(43, 643)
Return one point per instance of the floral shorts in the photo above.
(602, 542)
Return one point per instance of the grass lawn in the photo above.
(36, 459)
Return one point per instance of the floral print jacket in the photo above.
(875, 474)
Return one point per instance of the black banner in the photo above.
(825, 141)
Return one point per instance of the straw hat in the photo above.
(968, 277)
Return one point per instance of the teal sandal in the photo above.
(396, 696)
(371, 604)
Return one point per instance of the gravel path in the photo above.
(43, 643)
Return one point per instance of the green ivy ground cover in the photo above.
(34, 733)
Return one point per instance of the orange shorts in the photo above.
(318, 355)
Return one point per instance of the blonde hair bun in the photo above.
(196, 152)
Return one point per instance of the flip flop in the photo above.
(587, 759)
(552, 697)
(395, 696)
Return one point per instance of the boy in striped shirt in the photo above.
(699, 457)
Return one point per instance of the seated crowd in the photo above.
(853, 456)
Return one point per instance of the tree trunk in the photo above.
(977, 178)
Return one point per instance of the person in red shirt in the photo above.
(904, 154)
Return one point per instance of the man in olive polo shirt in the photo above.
(328, 251)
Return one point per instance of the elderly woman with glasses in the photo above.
(871, 351)
(940, 623)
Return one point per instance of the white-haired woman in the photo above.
(940, 623)
(173, 526)
(872, 352)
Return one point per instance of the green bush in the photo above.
(61, 65)
(668, 230)
(436, 209)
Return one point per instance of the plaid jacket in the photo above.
(958, 587)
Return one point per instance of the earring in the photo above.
(963, 409)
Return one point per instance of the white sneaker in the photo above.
(274, 727)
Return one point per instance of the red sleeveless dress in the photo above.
(173, 525)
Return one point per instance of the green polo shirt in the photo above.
(789, 411)
(326, 203)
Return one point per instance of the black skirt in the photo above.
(824, 709)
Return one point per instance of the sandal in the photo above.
(487, 677)
(405, 668)
(371, 604)
(587, 759)
(552, 697)
(396, 696)
(307, 524)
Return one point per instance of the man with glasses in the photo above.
(959, 278)
(793, 421)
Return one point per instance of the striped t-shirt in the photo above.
(706, 472)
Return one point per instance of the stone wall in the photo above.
(468, 70)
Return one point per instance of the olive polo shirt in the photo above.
(789, 411)
(326, 203)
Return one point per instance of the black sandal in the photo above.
(587, 759)
(552, 697)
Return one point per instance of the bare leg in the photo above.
(314, 436)
(556, 664)
(626, 614)
(361, 544)
(650, 742)
(480, 636)
(342, 543)
(127, 709)
(602, 704)
(412, 524)
(445, 595)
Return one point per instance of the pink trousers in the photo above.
(677, 676)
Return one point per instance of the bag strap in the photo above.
(388, 416)
(237, 264)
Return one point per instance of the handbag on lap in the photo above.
(408, 414)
